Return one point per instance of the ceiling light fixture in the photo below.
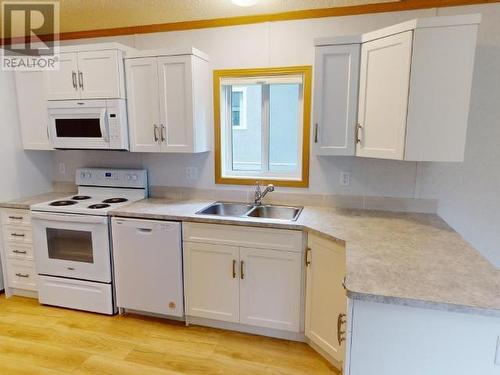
(244, 3)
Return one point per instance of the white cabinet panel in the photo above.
(270, 288)
(32, 110)
(212, 281)
(336, 99)
(383, 96)
(176, 103)
(326, 300)
(143, 104)
(62, 84)
(99, 74)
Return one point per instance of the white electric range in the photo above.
(71, 237)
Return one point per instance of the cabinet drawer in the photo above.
(18, 251)
(17, 234)
(264, 238)
(21, 275)
(16, 217)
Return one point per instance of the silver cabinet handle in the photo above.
(22, 275)
(155, 132)
(358, 128)
(18, 252)
(15, 217)
(340, 334)
(80, 80)
(242, 271)
(316, 133)
(234, 269)
(163, 133)
(73, 75)
(17, 235)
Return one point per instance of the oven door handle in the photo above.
(69, 217)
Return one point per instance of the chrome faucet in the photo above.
(259, 194)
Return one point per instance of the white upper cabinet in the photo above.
(335, 99)
(326, 300)
(414, 90)
(143, 107)
(92, 74)
(174, 118)
(32, 109)
(383, 96)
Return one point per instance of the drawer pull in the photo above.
(17, 235)
(19, 251)
(22, 275)
(15, 217)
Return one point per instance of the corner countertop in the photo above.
(399, 258)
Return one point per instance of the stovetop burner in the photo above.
(63, 203)
(81, 197)
(98, 206)
(115, 200)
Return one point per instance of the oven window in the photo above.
(78, 128)
(73, 245)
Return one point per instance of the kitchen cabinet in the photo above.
(335, 98)
(326, 300)
(147, 260)
(414, 90)
(212, 281)
(250, 276)
(32, 110)
(87, 74)
(18, 263)
(168, 102)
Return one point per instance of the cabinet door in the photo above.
(62, 84)
(326, 301)
(176, 103)
(383, 96)
(270, 288)
(211, 281)
(336, 99)
(99, 74)
(32, 110)
(142, 104)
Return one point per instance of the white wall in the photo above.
(469, 192)
(22, 173)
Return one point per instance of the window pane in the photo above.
(247, 140)
(284, 127)
(236, 98)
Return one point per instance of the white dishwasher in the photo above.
(147, 256)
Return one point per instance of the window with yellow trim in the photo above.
(262, 125)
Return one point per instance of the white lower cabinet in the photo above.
(212, 281)
(326, 300)
(270, 288)
(16, 253)
(256, 286)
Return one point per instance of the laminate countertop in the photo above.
(399, 258)
(26, 203)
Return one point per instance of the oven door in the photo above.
(79, 124)
(75, 246)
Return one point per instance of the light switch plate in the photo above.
(345, 179)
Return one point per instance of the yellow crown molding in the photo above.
(273, 17)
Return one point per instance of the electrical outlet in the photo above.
(191, 173)
(62, 168)
(345, 179)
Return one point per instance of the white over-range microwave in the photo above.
(88, 124)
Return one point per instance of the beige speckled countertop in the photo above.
(400, 258)
(25, 203)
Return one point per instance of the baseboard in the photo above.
(23, 293)
(269, 332)
(123, 310)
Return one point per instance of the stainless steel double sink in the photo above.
(246, 210)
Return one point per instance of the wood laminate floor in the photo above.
(42, 340)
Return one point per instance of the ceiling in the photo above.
(83, 15)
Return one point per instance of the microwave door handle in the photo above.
(104, 125)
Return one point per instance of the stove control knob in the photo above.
(134, 177)
(88, 175)
(82, 175)
(129, 177)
